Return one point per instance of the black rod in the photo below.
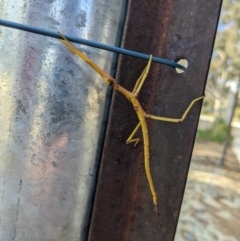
(89, 43)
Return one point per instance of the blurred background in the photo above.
(211, 204)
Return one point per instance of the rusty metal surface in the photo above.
(123, 209)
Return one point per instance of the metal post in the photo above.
(123, 209)
(52, 114)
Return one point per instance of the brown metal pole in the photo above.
(123, 209)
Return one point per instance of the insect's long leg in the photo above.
(131, 139)
(140, 81)
(175, 120)
(106, 77)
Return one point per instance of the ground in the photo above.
(211, 205)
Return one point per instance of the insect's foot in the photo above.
(158, 215)
(136, 141)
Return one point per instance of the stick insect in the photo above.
(141, 114)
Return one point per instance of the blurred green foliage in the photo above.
(237, 114)
(224, 70)
(217, 132)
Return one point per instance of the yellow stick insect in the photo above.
(142, 115)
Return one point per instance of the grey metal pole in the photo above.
(52, 114)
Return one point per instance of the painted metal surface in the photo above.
(52, 115)
(123, 209)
